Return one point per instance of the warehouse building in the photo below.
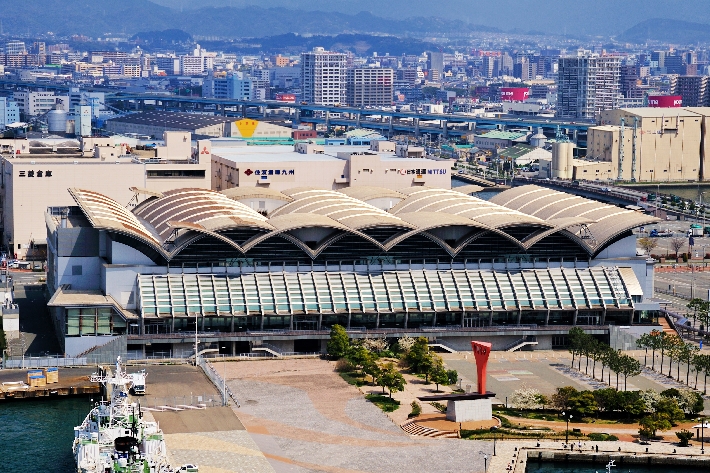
(415, 261)
(325, 167)
(155, 123)
(34, 179)
(658, 145)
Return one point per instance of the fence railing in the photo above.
(219, 382)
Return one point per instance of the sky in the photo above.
(603, 17)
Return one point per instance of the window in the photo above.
(76, 270)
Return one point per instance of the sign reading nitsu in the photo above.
(35, 174)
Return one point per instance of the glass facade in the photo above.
(395, 299)
(84, 321)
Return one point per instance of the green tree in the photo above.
(656, 343)
(651, 424)
(669, 408)
(417, 354)
(575, 337)
(629, 367)
(391, 379)
(339, 342)
(361, 358)
(453, 376)
(673, 349)
(644, 342)
(429, 364)
(439, 376)
(583, 403)
(701, 363)
(561, 399)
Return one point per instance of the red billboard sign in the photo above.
(665, 101)
(514, 94)
(291, 98)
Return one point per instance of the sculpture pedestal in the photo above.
(469, 409)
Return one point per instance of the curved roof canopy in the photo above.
(239, 193)
(346, 210)
(211, 210)
(448, 201)
(605, 222)
(366, 193)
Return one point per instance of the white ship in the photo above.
(114, 438)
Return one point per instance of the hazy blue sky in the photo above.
(586, 16)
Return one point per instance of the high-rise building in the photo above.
(694, 90)
(370, 86)
(490, 67)
(522, 69)
(323, 77)
(587, 85)
(15, 47)
(658, 59)
(675, 65)
(9, 111)
(435, 62)
(629, 82)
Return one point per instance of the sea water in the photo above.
(534, 467)
(37, 435)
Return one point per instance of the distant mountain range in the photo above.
(667, 31)
(99, 17)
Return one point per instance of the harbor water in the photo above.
(534, 467)
(37, 434)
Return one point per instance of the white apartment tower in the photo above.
(370, 86)
(588, 84)
(323, 77)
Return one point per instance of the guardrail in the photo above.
(219, 382)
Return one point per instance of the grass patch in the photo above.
(383, 402)
(353, 378)
(602, 437)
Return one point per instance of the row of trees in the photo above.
(584, 345)
(371, 357)
(673, 348)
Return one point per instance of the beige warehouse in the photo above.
(670, 144)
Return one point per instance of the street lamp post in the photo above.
(494, 429)
(567, 418)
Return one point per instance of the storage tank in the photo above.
(538, 139)
(57, 121)
(562, 156)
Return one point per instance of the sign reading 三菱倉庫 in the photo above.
(35, 174)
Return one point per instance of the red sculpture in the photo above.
(481, 350)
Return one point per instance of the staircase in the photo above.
(268, 348)
(442, 346)
(416, 430)
(666, 327)
(523, 342)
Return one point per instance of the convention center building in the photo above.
(522, 267)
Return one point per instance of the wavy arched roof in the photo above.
(104, 212)
(209, 209)
(606, 221)
(366, 193)
(239, 193)
(349, 211)
(468, 189)
(451, 202)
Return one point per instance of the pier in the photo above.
(72, 382)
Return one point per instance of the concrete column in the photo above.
(349, 319)
(320, 320)
(406, 319)
(244, 111)
(234, 348)
(391, 128)
(357, 120)
(574, 320)
(416, 127)
(297, 115)
(574, 136)
(327, 120)
(261, 324)
(445, 128)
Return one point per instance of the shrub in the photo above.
(602, 437)
(684, 435)
(343, 365)
(439, 406)
(339, 342)
(416, 409)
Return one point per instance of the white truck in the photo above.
(137, 386)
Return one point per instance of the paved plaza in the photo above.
(548, 370)
(305, 418)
